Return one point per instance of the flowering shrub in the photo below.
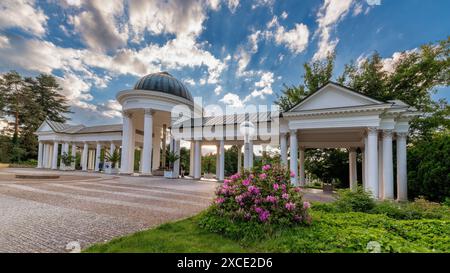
(266, 197)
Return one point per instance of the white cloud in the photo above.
(262, 87)
(232, 100)
(189, 81)
(329, 14)
(233, 5)
(22, 14)
(262, 3)
(295, 39)
(218, 90)
(284, 15)
(99, 25)
(358, 9)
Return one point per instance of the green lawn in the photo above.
(330, 232)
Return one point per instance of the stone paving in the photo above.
(47, 215)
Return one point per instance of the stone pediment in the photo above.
(333, 95)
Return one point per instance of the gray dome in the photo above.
(163, 82)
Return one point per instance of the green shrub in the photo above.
(265, 196)
(428, 168)
(358, 200)
(31, 163)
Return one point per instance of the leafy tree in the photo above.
(317, 74)
(428, 168)
(28, 102)
(16, 96)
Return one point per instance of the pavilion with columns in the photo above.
(160, 110)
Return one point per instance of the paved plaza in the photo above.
(47, 215)
(55, 215)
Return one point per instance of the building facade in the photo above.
(160, 110)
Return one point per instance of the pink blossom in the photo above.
(297, 218)
(290, 206)
(276, 186)
(226, 181)
(271, 199)
(297, 189)
(254, 190)
(292, 174)
(258, 210)
(306, 205)
(285, 196)
(220, 200)
(263, 176)
(246, 182)
(283, 187)
(266, 167)
(264, 215)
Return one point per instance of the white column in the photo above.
(402, 178)
(191, 159)
(40, 149)
(246, 154)
(97, 157)
(239, 161)
(363, 166)
(55, 156)
(197, 159)
(222, 160)
(283, 150)
(388, 168)
(73, 154)
(366, 163)
(146, 153)
(301, 157)
(126, 139)
(91, 159)
(84, 158)
(45, 156)
(352, 169)
(380, 166)
(250, 153)
(372, 161)
(176, 164)
(217, 161)
(294, 153)
(156, 149)
(50, 156)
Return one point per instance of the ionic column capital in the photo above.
(127, 114)
(148, 112)
(401, 134)
(387, 133)
(372, 131)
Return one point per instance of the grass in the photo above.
(181, 237)
(330, 232)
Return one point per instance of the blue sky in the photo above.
(230, 52)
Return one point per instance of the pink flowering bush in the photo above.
(266, 196)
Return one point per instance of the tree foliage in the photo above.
(428, 168)
(25, 103)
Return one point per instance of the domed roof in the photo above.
(163, 82)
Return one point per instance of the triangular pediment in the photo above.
(334, 96)
(45, 127)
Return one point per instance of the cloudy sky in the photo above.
(230, 52)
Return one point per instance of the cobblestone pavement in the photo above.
(46, 215)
